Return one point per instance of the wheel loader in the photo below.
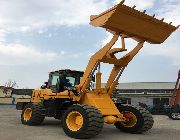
(174, 112)
(68, 94)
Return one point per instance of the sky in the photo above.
(37, 37)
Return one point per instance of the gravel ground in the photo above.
(12, 129)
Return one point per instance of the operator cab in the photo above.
(63, 79)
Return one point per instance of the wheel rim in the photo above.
(175, 115)
(74, 121)
(131, 119)
(27, 114)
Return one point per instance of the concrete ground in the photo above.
(12, 129)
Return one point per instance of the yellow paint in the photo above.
(110, 119)
(74, 121)
(39, 95)
(131, 120)
(27, 114)
(98, 80)
(101, 101)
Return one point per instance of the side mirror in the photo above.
(46, 83)
(43, 86)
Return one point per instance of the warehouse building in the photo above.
(155, 95)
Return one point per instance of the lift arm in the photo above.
(119, 66)
(93, 63)
(107, 55)
(124, 21)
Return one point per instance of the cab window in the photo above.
(71, 81)
(55, 79)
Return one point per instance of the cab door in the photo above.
(54, 80)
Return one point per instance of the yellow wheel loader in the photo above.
(68, 94)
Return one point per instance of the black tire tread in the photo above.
(174, 109)
(147, 121)
(95, 123)
(37, 114)
(170, 116)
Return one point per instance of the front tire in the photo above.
(82, 121)
(139, 119)
(33, 114)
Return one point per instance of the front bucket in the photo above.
(131, 22)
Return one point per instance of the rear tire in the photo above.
(143, 119)
(90, 125)
(33, 114)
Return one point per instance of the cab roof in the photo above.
(67, 71)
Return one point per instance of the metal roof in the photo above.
(147, 85)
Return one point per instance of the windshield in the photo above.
(70, 81)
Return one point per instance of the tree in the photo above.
(9, 85)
